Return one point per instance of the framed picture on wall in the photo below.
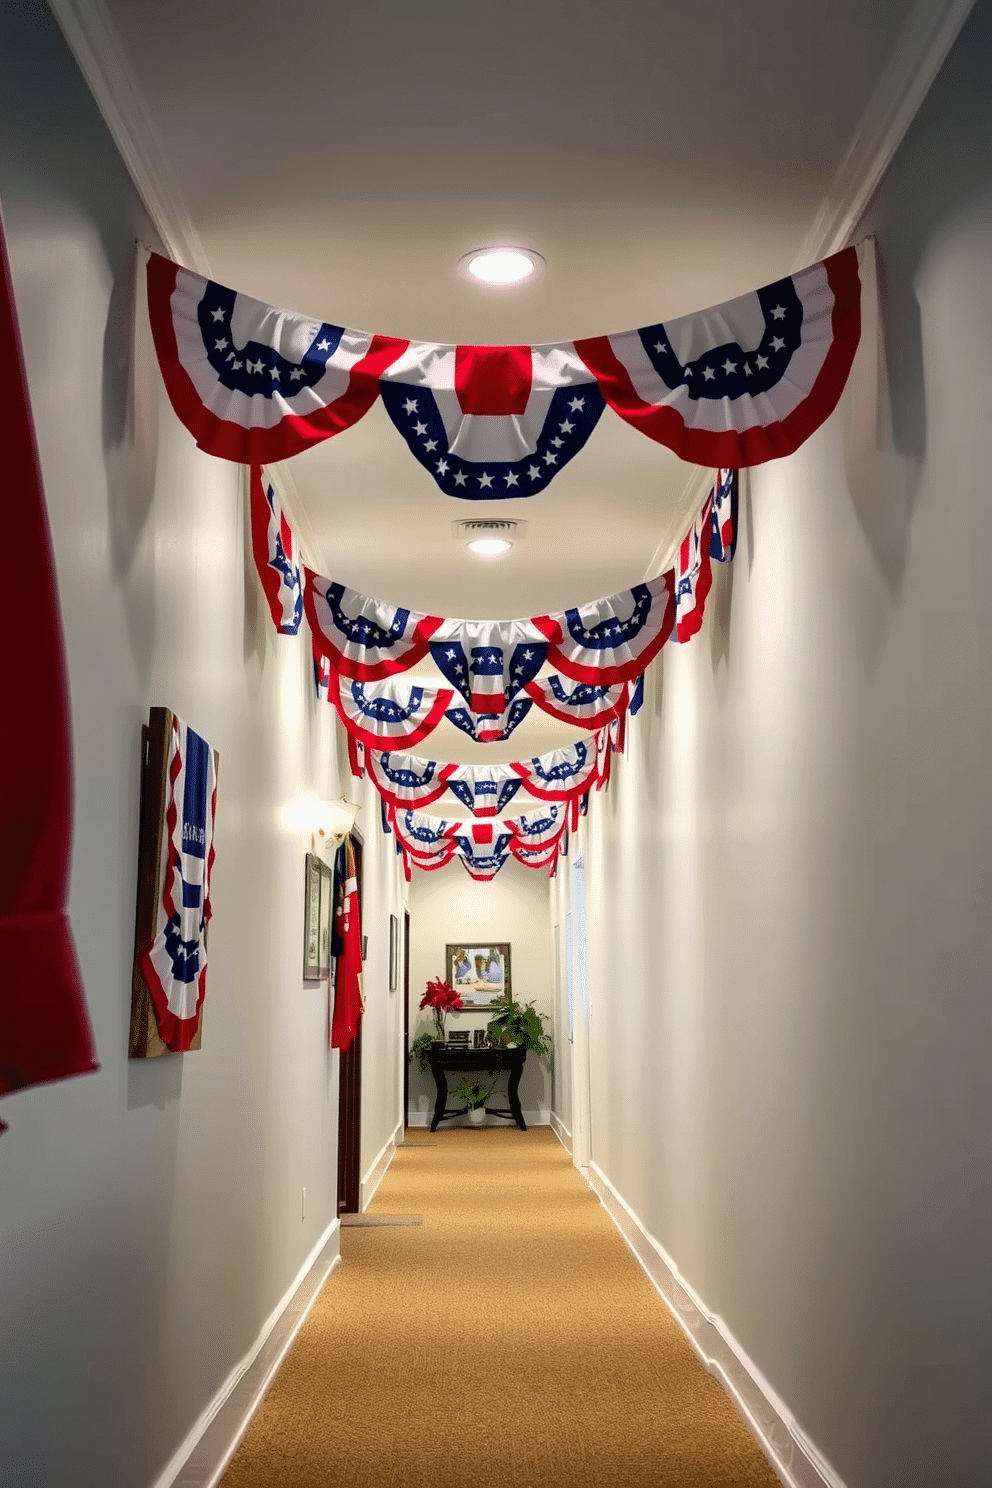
(319, 891)
(394, 952)
(480, 974)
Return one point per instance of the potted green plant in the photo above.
(515, 1024)
(419, 1050)
(475, 1095)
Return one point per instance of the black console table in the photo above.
(446, 1058)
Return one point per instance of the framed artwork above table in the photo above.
(480, 974)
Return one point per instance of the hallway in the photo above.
(509, 1341)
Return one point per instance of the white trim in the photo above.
(93, 40)
(562, 1132)
(532, 1118)
(783, 1441)
(203, 1457)
(377, 1171)
(921, 48)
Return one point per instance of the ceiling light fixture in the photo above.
(500, 266)
(489, 537)
(490, 547)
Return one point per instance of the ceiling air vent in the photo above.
(472, 527)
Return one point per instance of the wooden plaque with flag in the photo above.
(175, 856)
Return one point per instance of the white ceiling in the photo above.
(338, 158)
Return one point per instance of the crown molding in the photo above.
(93, 40)
(931, 29)
(919, 53)
(95, 44)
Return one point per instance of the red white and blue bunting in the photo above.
(274, 548)
(735, 385)
(393, 714)
(491, 421)
(535, 839)
(602, 644)
(360, 645)
(252, 383)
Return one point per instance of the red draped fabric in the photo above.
(44, 1026)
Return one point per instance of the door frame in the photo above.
(350, 1090)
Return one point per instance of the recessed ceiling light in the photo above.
(489, 547)
(500, 266)
(490, 537)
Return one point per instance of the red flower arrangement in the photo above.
(442, 999)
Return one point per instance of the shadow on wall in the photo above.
(882, 478)
(130, 445)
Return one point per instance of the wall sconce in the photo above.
(336, 819)
(328, 821)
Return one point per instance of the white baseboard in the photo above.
(203, 1457)
(377, 1171)
(562, 1132)
(532, 1118)
(787, 1447)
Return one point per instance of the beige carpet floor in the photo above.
(509, 1341)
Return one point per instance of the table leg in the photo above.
(442, 1096)
(514, 1100)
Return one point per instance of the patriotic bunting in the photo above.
(579, 703)
(560, 774)
(534, 839)
(490, 728)
(321, 675)
(491, 421)
(538, 829)
(391, 714)
(746, 381)
(175, 964)
(365, 638)
(693, 574)
(406, 779)
(741, 383)
(252, 383)
(723, 539)
(274, 549)
(484, 789)
(489, 662)
(612, 640)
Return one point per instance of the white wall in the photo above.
(790, 878)
(150, 1214)
(449, 907)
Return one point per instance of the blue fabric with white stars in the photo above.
(255, 369)
(526, 660)
(572, 415)
(729, 371)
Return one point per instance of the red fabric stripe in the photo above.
(592, 723)
(232, 441)
(493, 380)
(690, 624)
(45, 1031)
(752, 446)
(260, 517)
